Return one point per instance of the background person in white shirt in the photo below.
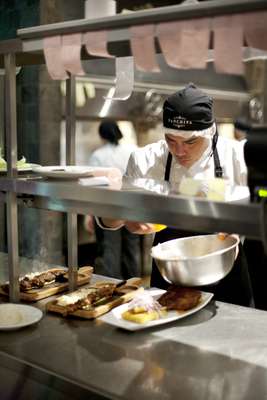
(191, 148)
(118, 252)
(112, 153)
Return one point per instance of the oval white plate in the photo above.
(15, 316)
(64, 171)
(114, 316)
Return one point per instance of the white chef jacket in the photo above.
(110, 155)
(150, 162)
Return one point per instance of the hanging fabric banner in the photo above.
(71, 53)
(124, 82)
(143, 48)
(96, 43)
(52, 51)
(169, 36)
(195, 43)
(228, 43)
(255, 29)
(185, 44)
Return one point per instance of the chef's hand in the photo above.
(140, 228)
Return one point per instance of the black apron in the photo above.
(235, 288)
(257, 268)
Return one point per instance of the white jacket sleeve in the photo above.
(132, 170)
(240, 168)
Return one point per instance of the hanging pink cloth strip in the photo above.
(71, 53)
(143, 48)
(195, 43)
(170, 35)
(96, 43)
(255, 29)
(52, 50)
(228, 42)
(185, 43)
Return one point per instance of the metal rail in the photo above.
(162, 14)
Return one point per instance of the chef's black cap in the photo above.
(188, 109)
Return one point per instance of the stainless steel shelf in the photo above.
(173, 210)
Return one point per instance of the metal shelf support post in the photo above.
(72, 230)
(11, 197)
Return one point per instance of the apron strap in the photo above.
(218, 172)
(168, 167)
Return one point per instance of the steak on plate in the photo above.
(180, 298)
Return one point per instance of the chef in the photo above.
(191, 148)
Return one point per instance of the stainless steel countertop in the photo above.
(218, 353)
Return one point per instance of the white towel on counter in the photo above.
(95, 181)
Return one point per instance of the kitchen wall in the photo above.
(39, 121)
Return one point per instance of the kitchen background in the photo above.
(41, 115)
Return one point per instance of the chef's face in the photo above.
(186, 150)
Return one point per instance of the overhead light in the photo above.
(106, 106)
(83, 90)
(80, 95)
(89, 89)
(3, 72)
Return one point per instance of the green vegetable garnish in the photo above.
(21, 164)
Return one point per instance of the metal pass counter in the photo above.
(219, 353)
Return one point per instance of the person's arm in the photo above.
(239, 164)
(140, 228)
(133, 171)
(110, 223)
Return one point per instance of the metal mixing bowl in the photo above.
(196, 260)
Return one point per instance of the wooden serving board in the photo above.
(83, 277)
(124, 294)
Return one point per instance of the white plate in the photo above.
(65, 171)
(114, 316)
(29, 168)
(15, 316)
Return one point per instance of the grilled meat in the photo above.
(25, 284)
(85, 297)
(180, 298)
(39, 280)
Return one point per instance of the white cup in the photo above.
(99, 8)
